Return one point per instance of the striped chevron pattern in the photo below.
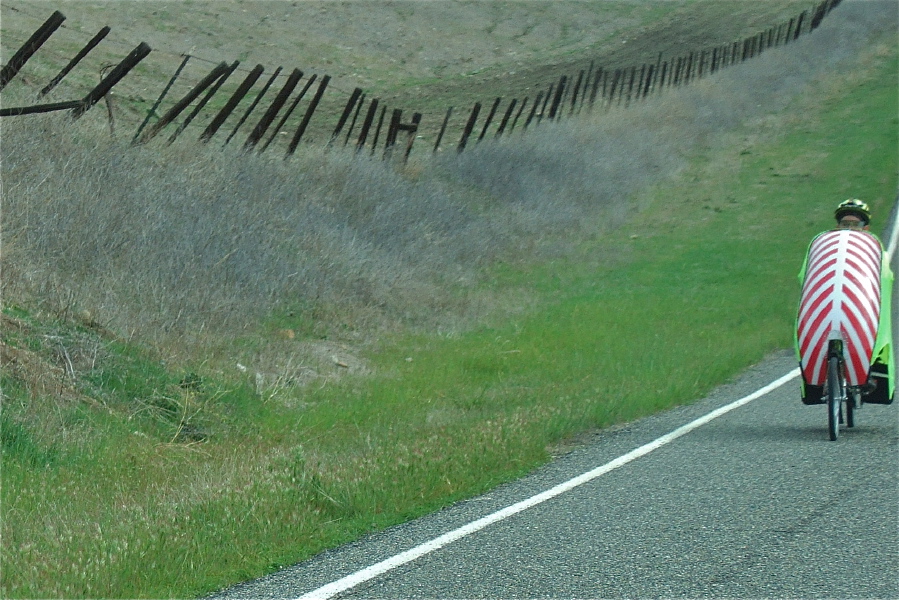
(840, 300)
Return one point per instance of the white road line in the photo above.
(350, 581)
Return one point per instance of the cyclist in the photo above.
(855, 215)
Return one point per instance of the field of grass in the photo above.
(416, 56)
(257, 364)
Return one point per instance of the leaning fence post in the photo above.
(232, 103)
(446, 119)
(183, 103)
(308, 116)
(30, 46)
(253, 104)
(366, 125)
(593, 91)
(649, 74)
(156, 104)
(374, 142)
(40, 108)
(72, 63)
(614, 83)
(469, 126)
(277, 128)
(818, 15)
(583, 94)
(489, 118)
(354, 97)
(392, 131)
(269, 116)
(524, 103)
(212, 90)
(349, 130)
(508, 113)
(661, 85)
(116, 75)
(576, 90)
(688, 76)
(557, 99)
(639, 80)
(549, 93)
(412, 130)
(799, 20)
(533, 110)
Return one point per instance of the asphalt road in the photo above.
(756, 503)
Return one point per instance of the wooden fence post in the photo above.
(412, 130)
(818, 15)
(799, 20)
(524, 103)
(31, 45)
(649, 75)
(253, 104)
(688, 71)
(489, 118)
(593, 91)
(661, 85)
(72, 63)
(354, 97)
(366, 125)
(308, 116)
(269, 116)
(349, 130)
(581, 88)
(533, 110)
(232, 103)
(506, 115)
(446, 119)
(557, 99)
(658, 68)
(546, 98)
(639, 83)
(277, 128)
(608, 88)
(116, 75)
(183, 103)
(202, 103)
(40, 108)
(469, 126)
(374, 142)
(156, 104)
(392, 130)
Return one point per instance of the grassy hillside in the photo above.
(215, 365)
(415, 56)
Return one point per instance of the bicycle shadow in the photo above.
(791, 433)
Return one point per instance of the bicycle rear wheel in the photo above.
(853, 401)
(834, 396)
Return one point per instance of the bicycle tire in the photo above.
(834, 394)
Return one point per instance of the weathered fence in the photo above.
(590, 88)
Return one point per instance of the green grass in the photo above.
(701, 284)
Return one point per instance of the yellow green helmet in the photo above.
(853, 206)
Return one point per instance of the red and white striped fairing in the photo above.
(840, 299)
